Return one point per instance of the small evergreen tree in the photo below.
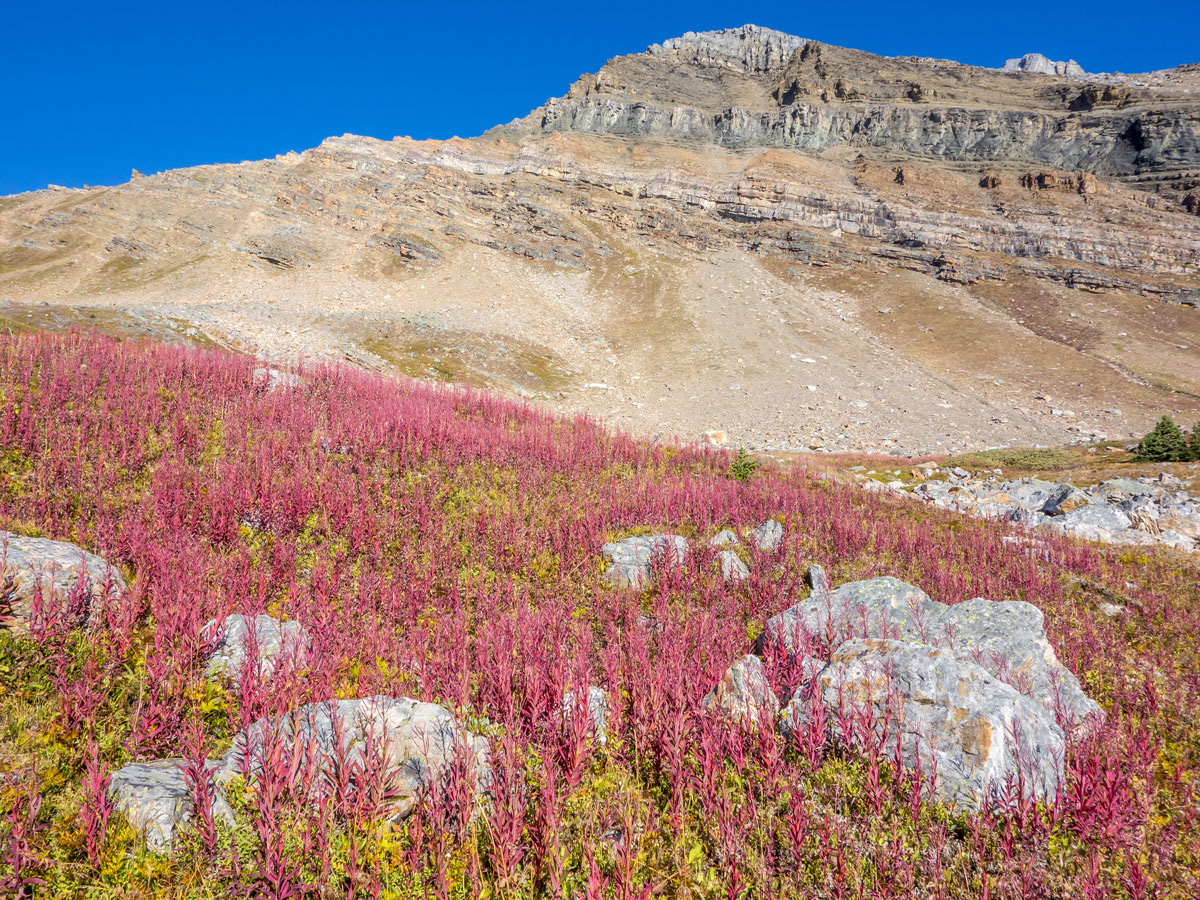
(1193, 454)
(743, 467)
(1166, 443)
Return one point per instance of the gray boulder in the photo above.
(723, 538)
(975, 731)
(1008, 639)
(744, 693)
(768, 536)
(275, 643)
(57, 568)
(632, 557)
(876, 607)
(1097, 514)
(732, 568)
(155, 798)
(416, 743)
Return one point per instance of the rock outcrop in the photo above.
(1144, 512)
(1038, 64)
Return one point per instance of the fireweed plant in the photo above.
(442, 544)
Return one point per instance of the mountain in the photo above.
(802, 245)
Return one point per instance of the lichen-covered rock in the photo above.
(156, 799)
(233, 641)
(876, 607)
(1009, 640)
(416, 742)
(767, 536)
(744, 693)
(67, 576)
(977, 732)
(732, 567)
(632, 558)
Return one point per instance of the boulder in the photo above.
(744, 693)
(631, 558)
(976, 732)
(876, 607)
(767, 536)
(732, 568)
(58, 568)
(1097, 514)
(156, 799)
(275, 642)
(723, 538)
(416, 742)
(1008, 639)
(817, 581)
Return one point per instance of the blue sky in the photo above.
(88, 92)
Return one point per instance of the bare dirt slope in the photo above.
(698, 265)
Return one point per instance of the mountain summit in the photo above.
(797, 244)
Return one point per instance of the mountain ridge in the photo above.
(575, 247)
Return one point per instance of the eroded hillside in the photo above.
(798, 244)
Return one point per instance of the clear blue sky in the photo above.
(88, 92)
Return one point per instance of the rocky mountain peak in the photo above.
(749, 48)
(1043, 65)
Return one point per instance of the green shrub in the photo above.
(1166, 443)
(743, 467)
